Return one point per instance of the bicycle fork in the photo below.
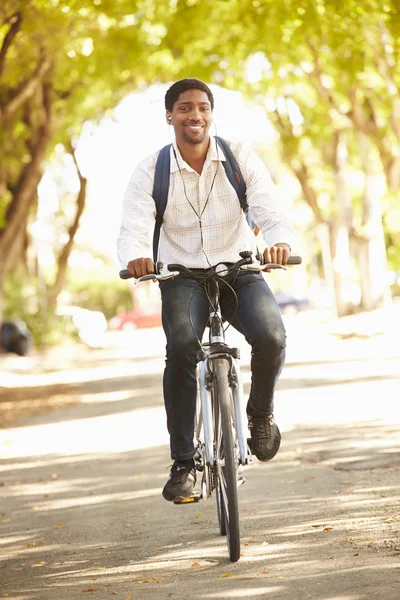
(240, 417)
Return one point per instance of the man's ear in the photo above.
(168, 116)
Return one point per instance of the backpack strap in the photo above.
(233, 173)
(160, 193)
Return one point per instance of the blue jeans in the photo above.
(184, 318)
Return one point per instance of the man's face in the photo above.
(191, 116)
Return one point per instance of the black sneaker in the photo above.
(265, 436)
(182, 479)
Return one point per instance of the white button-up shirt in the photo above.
(223, 232)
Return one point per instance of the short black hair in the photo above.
(183, 85)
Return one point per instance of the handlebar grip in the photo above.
(124, 274)
(179, 268)
(294, 260)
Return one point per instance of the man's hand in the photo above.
(140, 266)
(278, 254)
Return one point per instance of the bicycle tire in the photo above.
(227, 475)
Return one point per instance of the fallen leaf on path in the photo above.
(31, 544)
(199, 516)
(5, 520)
(316, 526)
(328, 528)
(226, 575)
(265, 572)
(60, 526)
(196, 564)
(90, 589)
(37, 563)
(128, 597)
(355, 553)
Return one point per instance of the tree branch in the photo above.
(25, 89)
(15, 21)
(62, 262)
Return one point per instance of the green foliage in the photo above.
(326, 58)
(22, 301)
(109, 295)
(391, 219)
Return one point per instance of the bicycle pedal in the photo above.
(190, 500)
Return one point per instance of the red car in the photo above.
(135, 319)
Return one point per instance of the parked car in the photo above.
(135, 319)
(291, 304)
(15, 337)
(89, 325)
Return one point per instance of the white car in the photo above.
(90, 324)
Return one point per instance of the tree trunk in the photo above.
(25, 192)
(370, 240)
(340, 229)
(62, 262)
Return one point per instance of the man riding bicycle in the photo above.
(204, 225)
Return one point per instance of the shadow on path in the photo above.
(319, 522)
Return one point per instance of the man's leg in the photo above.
(184, 317)
(258, 318)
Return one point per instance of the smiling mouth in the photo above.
(194, 127)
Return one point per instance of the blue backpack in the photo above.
(161, 185)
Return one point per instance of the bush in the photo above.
(21, 301)
(109, 295)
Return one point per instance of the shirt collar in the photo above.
(213, 153)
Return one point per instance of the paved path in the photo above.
(81, 512)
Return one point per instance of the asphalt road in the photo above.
(81, 512)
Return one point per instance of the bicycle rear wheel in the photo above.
(227, 467)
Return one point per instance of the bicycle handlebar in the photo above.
(172, 270)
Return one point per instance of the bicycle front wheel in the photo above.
(226, 459)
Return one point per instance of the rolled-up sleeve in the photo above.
(266, 210)
(138, 217)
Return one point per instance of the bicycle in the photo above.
(222, 447)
